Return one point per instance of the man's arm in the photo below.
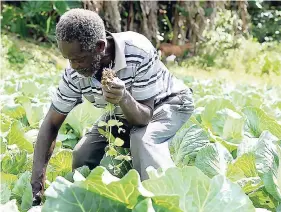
(137, 113)
(43, 151)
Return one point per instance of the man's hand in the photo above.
(114, 91)
(37, 194)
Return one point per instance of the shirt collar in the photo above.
(120, 60)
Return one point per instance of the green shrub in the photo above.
(36, 19)
(266, 22)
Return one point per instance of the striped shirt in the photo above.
(136, 63)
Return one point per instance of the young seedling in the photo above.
(114, 144)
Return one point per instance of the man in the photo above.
(151, 103)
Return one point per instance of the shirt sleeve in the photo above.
(67, 95)
(148, 81)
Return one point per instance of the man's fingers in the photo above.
(117, 83)
(111, 100)
(112, 95)
(116, 91)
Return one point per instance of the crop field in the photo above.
(227, 156)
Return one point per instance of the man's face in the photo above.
(84, 62)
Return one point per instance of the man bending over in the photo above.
(150, 101)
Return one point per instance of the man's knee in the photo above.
(140, 139)
(77, 159)
(88, 153)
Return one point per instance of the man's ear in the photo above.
(100, 46)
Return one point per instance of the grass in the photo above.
(238, 77)
(20, 56)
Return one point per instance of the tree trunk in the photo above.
(112, 15)
(149, 21)
(130, 25)
(242, 7)
(96, 6)
(196, 23)
(108, 10)
(176, 28)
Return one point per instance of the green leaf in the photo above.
(102, 132)
(31, 135)
(100, 189)
(258, 121)
(60, 164)
(144, 205)
(82, 116)
(114, 122)
(246, 98)
(70, 143)
(197, 192)
(22, 191)
(109, 108)
(158, 204)
(84, 171)
(34, 113)
(65, 196)
(250, 184)
(14, 162)
(5, 123)
(48, 22)
(217, 139)
(61, 7)
(229, 125)
(267, 162)
(242, 167)
(3, 145)
(5, 193)
(29, 88)
(74, 4)
(15, 111)
(118, 142)
(123, 157)
(243, 171)
(248, 145)
(278, 176)
(100, 181)
(111, 152)
(78, 177)
(213, 159)
(186, 143)
(10, 206)
(261, 199)
(212, 107)
(8, 179)
(111, 163)
(16, 136)
(102, 124)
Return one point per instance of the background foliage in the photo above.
(227, 154)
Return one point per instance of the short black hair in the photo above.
(83, 25)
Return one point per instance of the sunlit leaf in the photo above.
(258, 121)
(22, 191)
(60, 164)
(16, 136)
(213, 159)
(118, 142)
(197, 192)
(187, 142)
(10, 206)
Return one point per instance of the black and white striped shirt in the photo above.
(136, 63)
